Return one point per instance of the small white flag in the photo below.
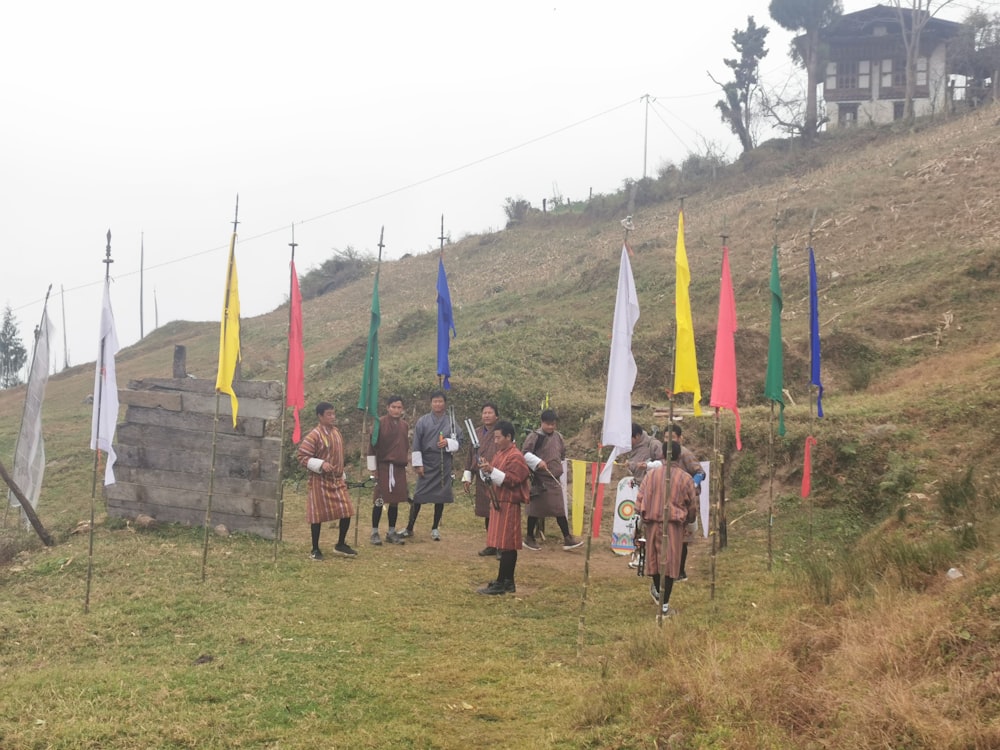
(105, 419)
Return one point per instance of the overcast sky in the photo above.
(340, 118)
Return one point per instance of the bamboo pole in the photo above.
(279, 508)
(26, 506)
(215, 423)
(97, 437)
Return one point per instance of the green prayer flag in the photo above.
(774, 385)
(368, 400)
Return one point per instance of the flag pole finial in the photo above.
(441, 238)
(293, 244)
(812, 227)
(381, 244)
(236, 215)
(107, 258)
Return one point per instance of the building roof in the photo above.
(885, 20)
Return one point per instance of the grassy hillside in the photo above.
(848, 634)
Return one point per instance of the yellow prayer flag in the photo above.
(579, 494)
(229, 333)
(685, 363)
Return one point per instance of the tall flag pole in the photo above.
(62, 295)
(617, 429)
(686, 368)
(295, 389)
(774, 387)
(294, 382)
(814, 375)
(105, 416)
(723, 396)
(368, 398)
(229, 355)
(29, 450)
(446, 320)
(229, 332)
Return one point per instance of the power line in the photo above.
(363, 202)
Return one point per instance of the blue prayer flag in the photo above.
(446, 322)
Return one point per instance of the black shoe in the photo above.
(530, 543)
(488, 552)
(343, 549)
(316, 555)
(682, 577)
(498, 588)
(393, 538)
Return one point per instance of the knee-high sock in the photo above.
(377, 515)
(668, 586)
(563, 525)
(393, 515)
(508, 561)
(314, 528)
(684, 557)
(532, 525)
(345, 524)
(438, 512)
(414, 512)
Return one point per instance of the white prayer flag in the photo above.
(29, 456)
(617, 430)
(105, 419)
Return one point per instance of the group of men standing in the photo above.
(503, 478)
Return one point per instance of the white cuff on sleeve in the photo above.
(532, 460)
(497, 476)
(315, 465)
(417, 459)
(452, 445)
(344, 477)
(650, 465)
(466, 477)
(371, 463)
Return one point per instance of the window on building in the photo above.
(847, 114)
(897, 110)
(847, 75)
(831, 75)
(864, 74)
(921, 71)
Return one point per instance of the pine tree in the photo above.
(12, 352)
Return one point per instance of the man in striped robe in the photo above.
(511, 478)
(471, 476)
(322, 453)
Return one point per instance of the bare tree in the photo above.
(810, 16)
(919, 13)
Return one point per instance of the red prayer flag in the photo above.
(724, 371)
(807, 468)
(295, 388)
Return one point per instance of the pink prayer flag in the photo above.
(724, 371)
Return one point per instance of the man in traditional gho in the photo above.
(511, 478)
(435, 440)
(387, 459)
(322, 453)
(646, 453)
(681, 505)
(545, 452)
(689, 462)
(484, 433)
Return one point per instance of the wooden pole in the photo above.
(589, 531)
(97, 436)
(215, 422)
(279, 508)
(26, 506)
